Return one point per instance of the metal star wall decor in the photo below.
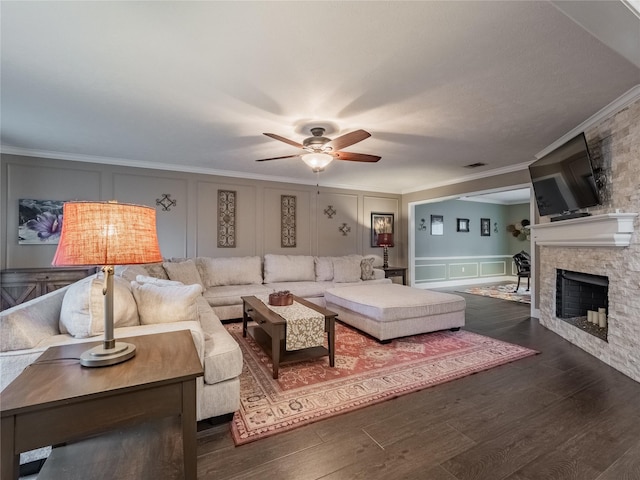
(330, 211)
(345, 229)
(166, 202)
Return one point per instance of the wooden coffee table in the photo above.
(275, 328)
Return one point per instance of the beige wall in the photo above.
(189, 228)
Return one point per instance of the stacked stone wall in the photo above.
(616, 144)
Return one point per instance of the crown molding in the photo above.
(73, 157)
(469, 178)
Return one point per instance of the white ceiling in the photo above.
(193, 85)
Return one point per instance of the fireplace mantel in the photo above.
(605, 230)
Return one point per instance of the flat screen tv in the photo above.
(563, 181)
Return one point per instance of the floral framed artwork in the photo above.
(437, 225)
(380, 223)
(485, 227)
(39, 221)
(463, 225)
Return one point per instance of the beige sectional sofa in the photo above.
(226, 280)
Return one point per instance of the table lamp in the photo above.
(107, 234)
(385, 240)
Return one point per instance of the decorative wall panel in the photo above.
(226, 219)
(287, 221)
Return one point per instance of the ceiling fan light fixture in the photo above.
(317, 161)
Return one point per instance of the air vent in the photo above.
(475, 165)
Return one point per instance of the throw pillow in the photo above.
(185, 272)
(166, 303)
(129, 272)
(82, 312)
(324, 269)
(366, 268)
(347, 269)
(156, 270)
(157, 281)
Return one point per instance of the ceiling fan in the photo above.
(319, 151)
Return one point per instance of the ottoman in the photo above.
(391, 310)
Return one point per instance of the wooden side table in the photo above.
(55, 400)
(396, 272)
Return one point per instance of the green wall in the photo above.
(463, 256)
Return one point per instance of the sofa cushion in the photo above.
(27, 324)
(231, 294)
(222, 354)
(185, 272)
(347, 269)
(288, 268)
(165, 304)
(391, 302)
(324, 269)
(366, 269)
(301, 289)
(82, 312)
(217, 272)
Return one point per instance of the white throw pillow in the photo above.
(324, 269)
(347, 269)
(82, 312)
(157, 281)
(185, 272)
(217, 272)
(288, 268)
(167, 303)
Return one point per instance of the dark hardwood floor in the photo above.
(561, 414)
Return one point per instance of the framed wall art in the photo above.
(463, 225)
(437, 225)
(485, 227)
(380, 223)
(39, 221)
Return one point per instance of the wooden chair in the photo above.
(523, 264)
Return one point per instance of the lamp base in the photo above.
(102, 357)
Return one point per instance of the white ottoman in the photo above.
(392, 310)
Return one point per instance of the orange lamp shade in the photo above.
(107, 233)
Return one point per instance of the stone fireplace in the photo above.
(576, 294)
(604, 247)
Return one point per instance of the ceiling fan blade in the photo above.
(348, 139)
(282, 139)
(356, 157)
(276, 158)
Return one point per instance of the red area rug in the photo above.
(366, 372)
(503, 292)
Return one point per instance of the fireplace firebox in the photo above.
(576, 294)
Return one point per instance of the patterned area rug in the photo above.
(503, 292)
(366, 372)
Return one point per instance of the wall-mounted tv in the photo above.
(563, 180)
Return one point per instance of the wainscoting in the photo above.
(435, 272)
